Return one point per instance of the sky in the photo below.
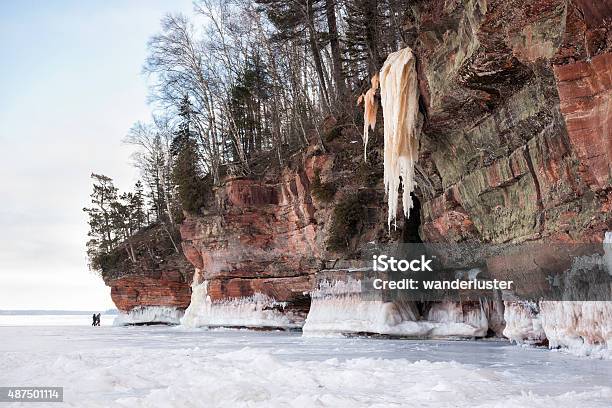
(70, 88)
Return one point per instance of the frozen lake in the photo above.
(53, 320)
(160, 366)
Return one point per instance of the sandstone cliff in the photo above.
(517, 96)
(516, 146)
(518, 140)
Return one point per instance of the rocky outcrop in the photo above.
(166, 289)
(160, 278)
(264, 240)
(259, 239)
(515, 147)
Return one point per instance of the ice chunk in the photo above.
(607, 243)
(253, 311)
(370, 109)
(523, 324)
(341, 308)
(584, 328)
(149, 314)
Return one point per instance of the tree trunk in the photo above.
(330, 11)
(316, 52)
(176, 249)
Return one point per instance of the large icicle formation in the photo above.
(149, 315)
(254, 311)
(399, 97)
(370, 109)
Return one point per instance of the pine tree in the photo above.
(101, 213)
(248, 97)
(102, 233)
(186, 173)
(295, 18)
(137, 204)
(124, 221)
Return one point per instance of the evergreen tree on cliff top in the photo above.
(103, 238)
(101, 213)
(113, 220)
(186, 173)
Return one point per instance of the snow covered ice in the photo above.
(159, 366)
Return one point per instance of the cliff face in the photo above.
(517, 96)
(515, 146)
(517, 143)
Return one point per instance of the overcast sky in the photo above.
(70, 88)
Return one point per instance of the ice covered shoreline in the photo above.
(172, 366)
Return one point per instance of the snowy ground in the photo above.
(161, 366)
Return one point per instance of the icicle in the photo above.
(370, 109)
(607, 244)
(399, 96)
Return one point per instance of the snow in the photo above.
(149, 314)
(399, 98)
(340, 308)
(160, 366)
(253, 311)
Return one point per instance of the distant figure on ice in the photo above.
(94, 319)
